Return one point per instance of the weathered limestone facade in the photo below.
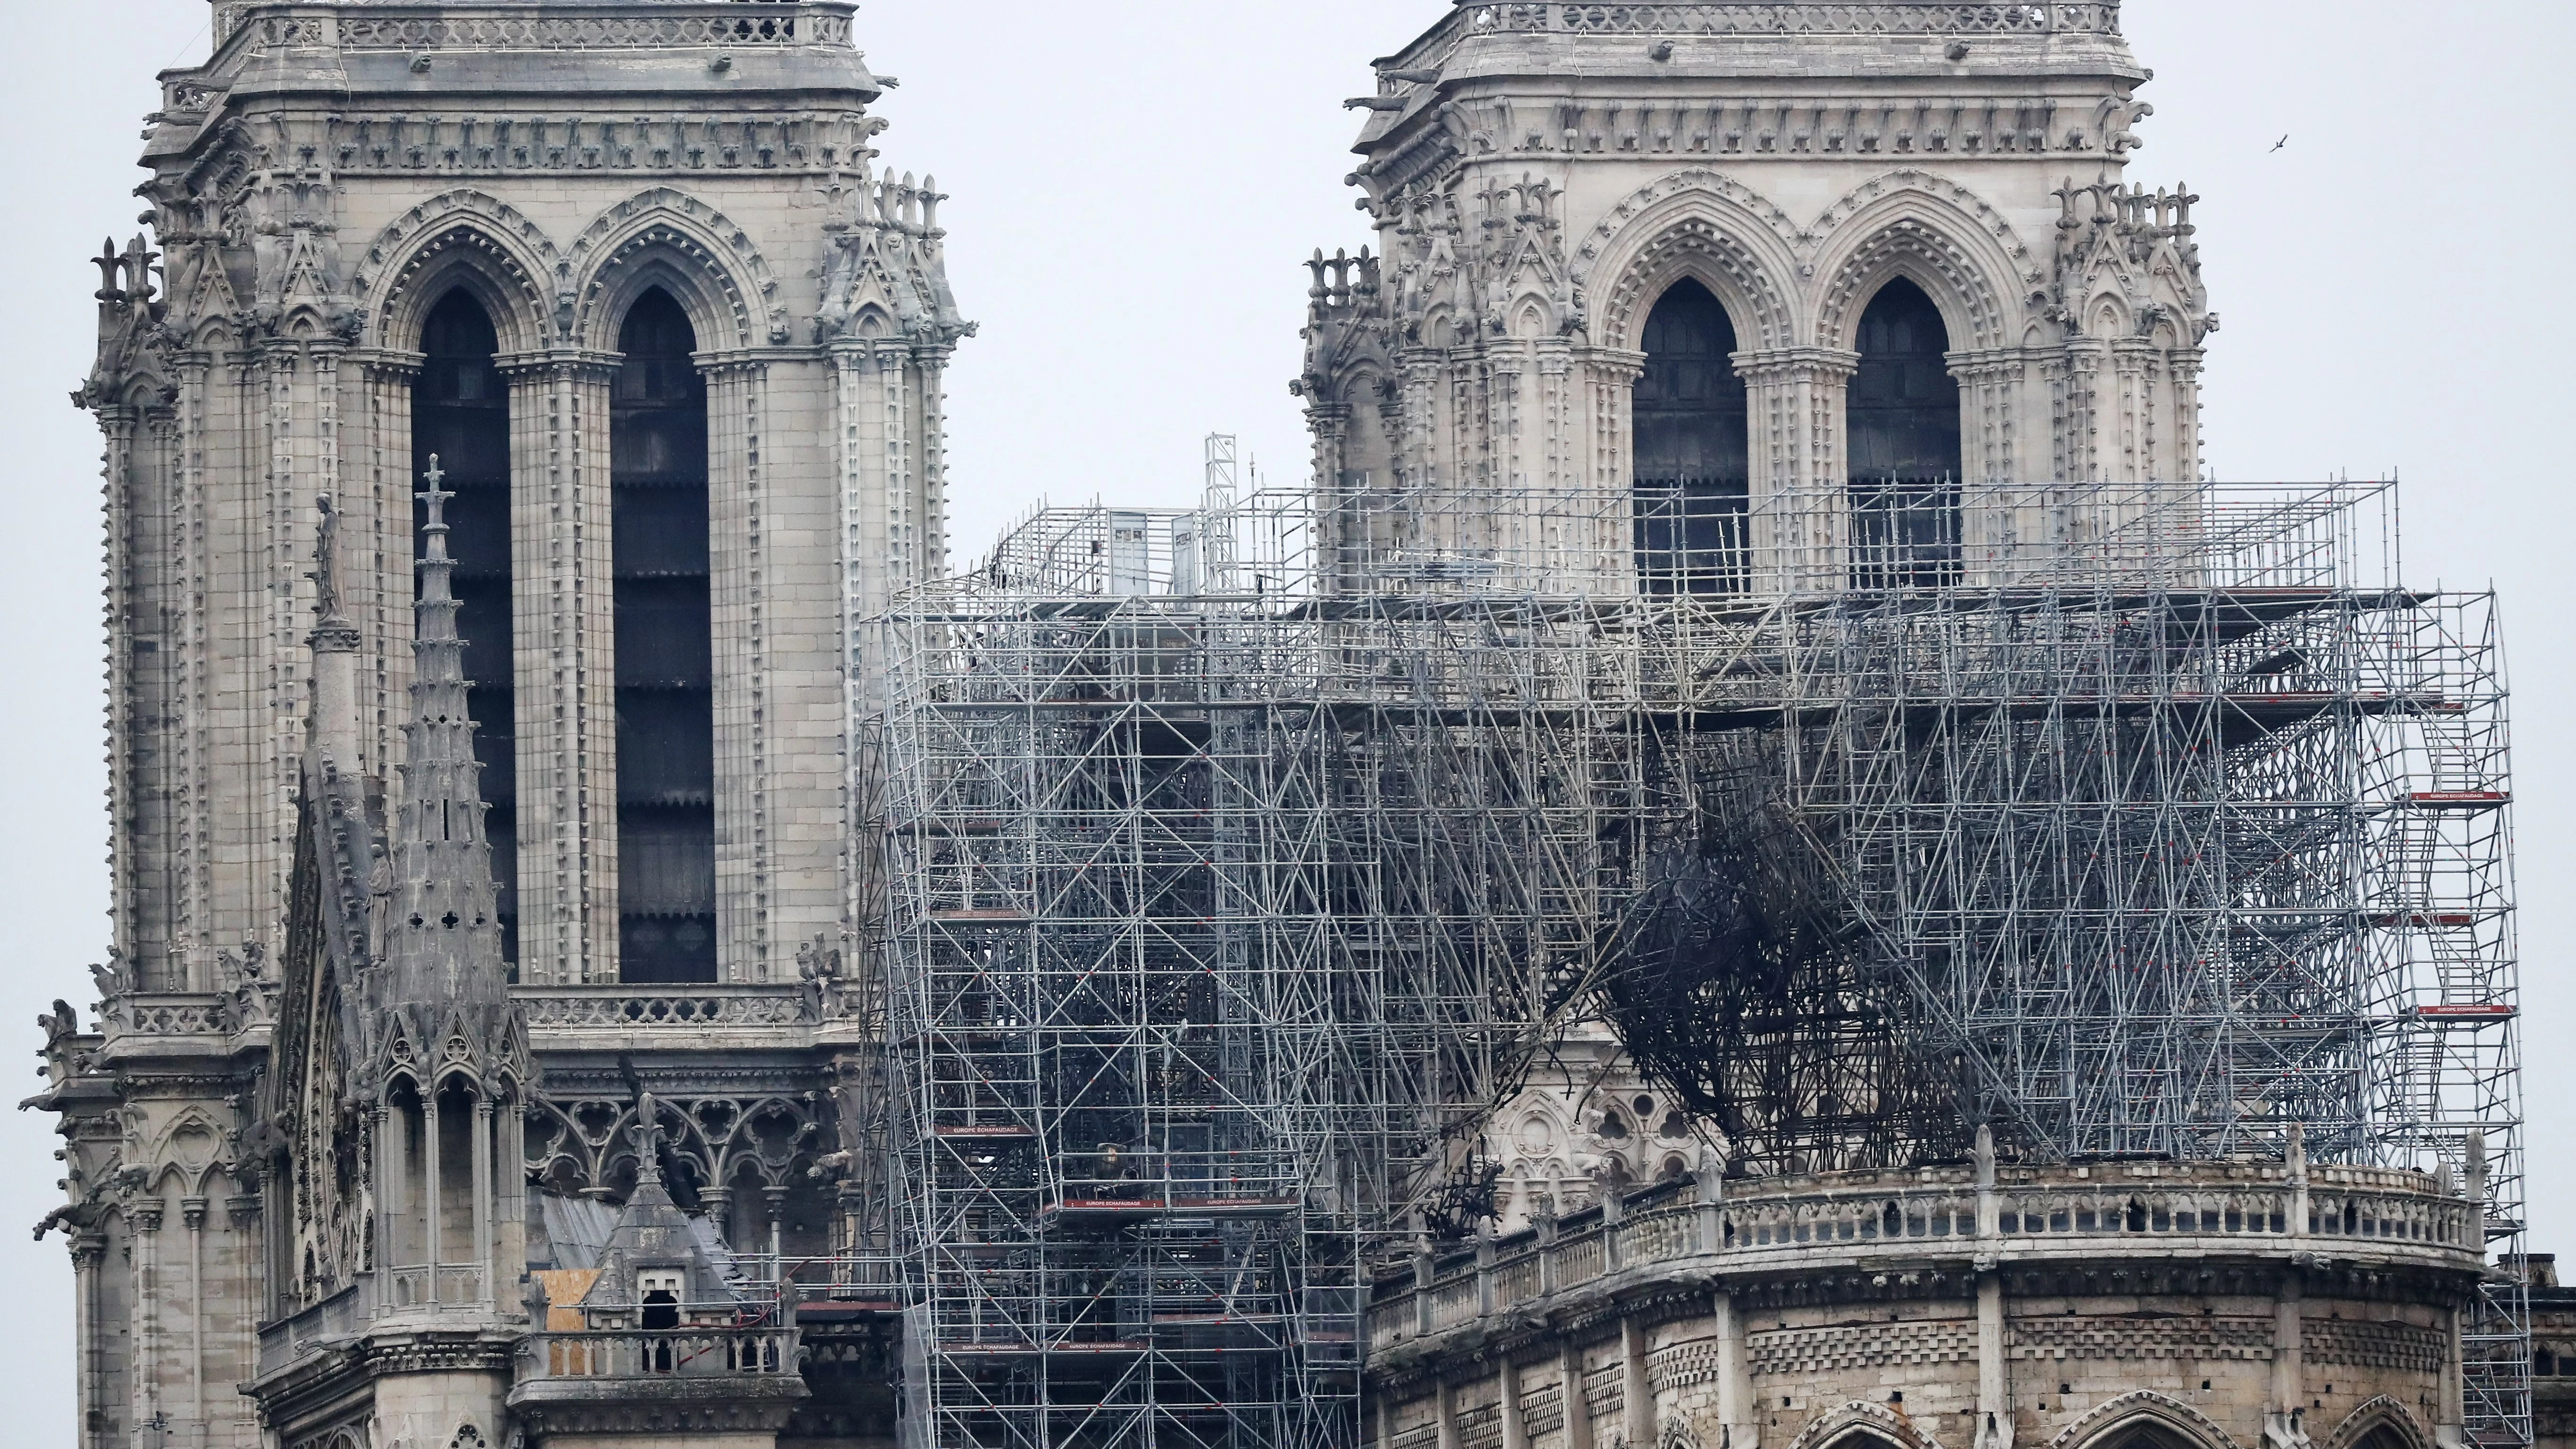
(297, 1215)
(316, 191)
(1542, 178)
(327, 178)
(1539, 176)
(2212, 1305)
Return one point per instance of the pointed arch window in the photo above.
(666, 886)
(461, 414)
(1691, 444)
(1903, 418)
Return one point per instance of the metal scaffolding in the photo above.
(1242, 859)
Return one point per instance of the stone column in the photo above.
(564, 626)
(300, 447)
(481, 1152)
(930, 374)
(433, 1187)
(1999, 524)
(775, 1200)
(1990, 391)
(867, 447)
(377, 549)
(1444, 1409)
(143, 1220)
(1578, 1413)
(1636, 1386)
(1735, 1408)
(878, 455)
(1418, 374)
(2451, 1409)
(1800, 509)
(275, 638)
(2283, 1424)
(2182, 459)
(2082, 377)
(88, 1248)
(250, 1297)
(192, 1214)
(118, 423)
(739, 570)
(1607, 440)
(193, 678)
(873, 457)
(1507, 1396)
(1509, 526)
(1994, 1368)
(390, 1168)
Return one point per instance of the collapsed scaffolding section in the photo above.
(1237, 876)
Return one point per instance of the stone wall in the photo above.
(2219, 1305)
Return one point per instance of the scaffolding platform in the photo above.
(2145, 819)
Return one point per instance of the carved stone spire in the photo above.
(442, 949)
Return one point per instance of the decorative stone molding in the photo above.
(2209, 1339)
(724, 279)
(1795, 1351)
(2380, 1412)
(1701, 224)
(509, 254)
(2402, 1346)
(2144, 1406)
(1941, 235)
(1874, 1421)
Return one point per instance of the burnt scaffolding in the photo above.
(1241, 860)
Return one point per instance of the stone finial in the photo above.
(647, 1135)
(1543, 1212)
(326, 571)
(1985, 1155)
(111, 265)
(1709, 1176)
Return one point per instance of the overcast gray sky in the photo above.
(1134, 183)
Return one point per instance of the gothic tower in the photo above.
(634, 274)
(633, 271)
(1666, 303)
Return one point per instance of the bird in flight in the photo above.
(2277, 145)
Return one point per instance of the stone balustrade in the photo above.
(1799, 17)
(625, 1009)
(168, 1014)
(426, 28)
(1863, 1219)
(668, 1353)
(1758, 18)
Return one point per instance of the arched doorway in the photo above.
(666, 847)
(460, 414)
(1691, 449)
(1903, 417)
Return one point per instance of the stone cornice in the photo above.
(565, 359)
(1787, 363)
(676, 1406)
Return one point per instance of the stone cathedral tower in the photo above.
(633, 274)
(631, 268)
(1682, 280)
